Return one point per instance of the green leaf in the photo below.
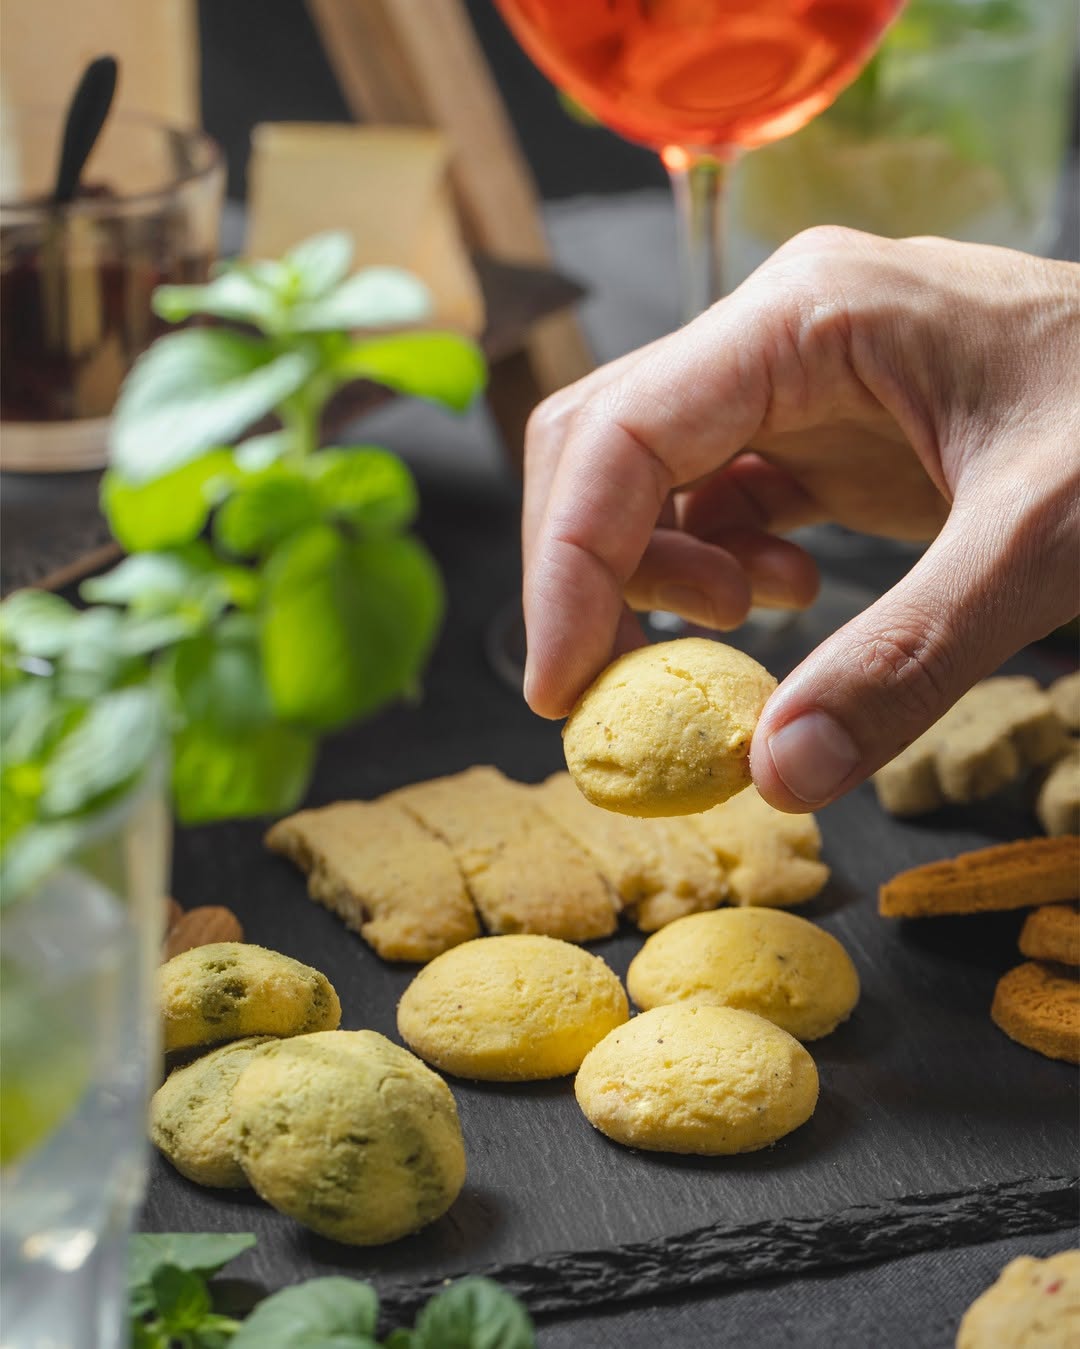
(399, 1339)
(194, 390)
(37, 623)
(437, 366)
(187, 583)
(319, 263)
(230, 758)
(370, 488)
(181, 1297)
(345, 626)
(258, 515)
(94, 660)
(116, 738)
(235, 294)
(313, 1315)
(474, 1314)
(203, 1252)
(33, 853)
(377, 297)
(259, 452)
(28, 712)
(167, 511)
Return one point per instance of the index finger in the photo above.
(682, 410)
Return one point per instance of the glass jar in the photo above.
(78, 1058)
(957, 127)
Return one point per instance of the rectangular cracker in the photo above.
(390, 879)
(524, 872)
(659, 868)
(993, 734)
(772, 858)
(1006, 876)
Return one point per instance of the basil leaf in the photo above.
(118, 735)
(258, 515)
(193, 390)
(399, 1339)
(93, 660)
(188, 581)
(233, 294)
(28, 712)
(318, 264)
(345, 626)
(377, 297)
(167, 511)
(181, 1297)
(370, 488)
(440, 367)
(203, 1252)
(474, 1314)
(37, 623)
(29, 857)
(259, 452)
(319, 1313)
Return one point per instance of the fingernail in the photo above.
(526, 683)
(688, 603)
(813, 755)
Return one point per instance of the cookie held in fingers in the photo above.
(349, 1134)
(666, 729)
(1007, 876)
(513, 1008)
(1035, 1304)
(1052, 932)
(788, 970)
(190, 1121)
(229, 990)
(1039, 1007)
(697, 1079)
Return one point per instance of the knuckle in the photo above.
(552, 415)
(910, 664)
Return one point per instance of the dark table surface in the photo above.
(935, 1134)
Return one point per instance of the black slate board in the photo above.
(933, 1128)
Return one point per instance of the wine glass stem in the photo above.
(698, 184)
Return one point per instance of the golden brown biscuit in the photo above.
(524, 873)
(1065, 696)
(1006, 876)
(993, 734)
(666, 729)
(659, 868)
(190, 1120)
(697, 1079)
(515, 1008)
(349, 1134)
(790, 971)
(1040, 1008)
(1052, 932)
(771, 858)
(389, 878)
(228, 990)
(1058, 802)
(1035, 1304)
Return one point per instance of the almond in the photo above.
(200, 927)
(173, 913)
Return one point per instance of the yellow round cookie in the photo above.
(1035, 1304)
(349, 1134)
(230, 989)
(666, 729)
(776, 964)
(515, 1008)
(693, 1078)
(190, 1115)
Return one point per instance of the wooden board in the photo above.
(933, 1128)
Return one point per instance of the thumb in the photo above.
(979, 593)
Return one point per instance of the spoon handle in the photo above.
(86, 115)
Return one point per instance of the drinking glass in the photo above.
(76, 280)
(78, 1049)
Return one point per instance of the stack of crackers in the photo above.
(1037, 1003)
(437, 863)
(1002, 731)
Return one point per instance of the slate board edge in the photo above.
(713, 1256)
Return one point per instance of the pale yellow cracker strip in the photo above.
(524, 873)
(772, 858)
(660, 868)
(391, 880)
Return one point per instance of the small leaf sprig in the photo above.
(273, 591)
(171, 1303)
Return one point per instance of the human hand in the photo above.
(917, 389)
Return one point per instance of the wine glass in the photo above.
(700, 81)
